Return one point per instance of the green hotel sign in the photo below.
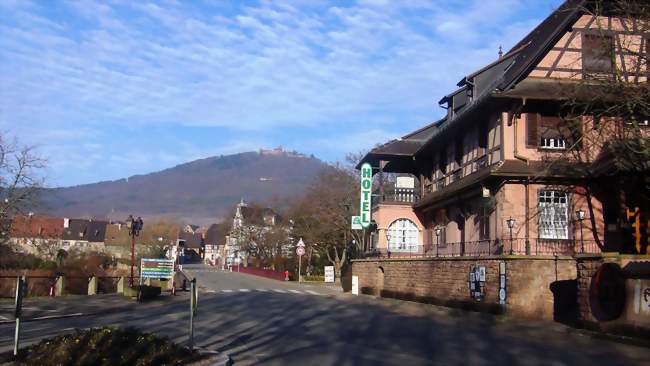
(366, 194)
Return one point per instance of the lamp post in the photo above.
(580, 215)
(511, 223)
(134, 226)
(438, 231)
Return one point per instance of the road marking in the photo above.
(3, 318)
(280, 291)
(56, 316)
(211, 291)
(262, 290)
(312, 292)
(244, 290)
(295, 291)
(226, 291)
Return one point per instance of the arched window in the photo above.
(403, 236)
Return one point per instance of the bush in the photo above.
(315, 278)
(106, 346)
(149, 292)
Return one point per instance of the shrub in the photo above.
(106, 346)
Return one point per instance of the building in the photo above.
(503, 172)
(36, 234)
(214, 244)
(249, 222)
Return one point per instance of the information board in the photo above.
(157, 268)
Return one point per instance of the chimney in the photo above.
(66, 222)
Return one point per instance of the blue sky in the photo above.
(109, 89)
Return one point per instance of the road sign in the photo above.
(366, 194)
(300, 251)
(300, 243)
(157, 268)
(329, 274)
(356, 223)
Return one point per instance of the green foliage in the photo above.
(106, 346)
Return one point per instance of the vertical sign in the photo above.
(329, 274)
(355, 285)
(366, 194)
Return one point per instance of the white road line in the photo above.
(211, 291)
(3, 318)
(226, 291)
(295, 291)
(244, 290)
(280, 291)
(57, 316)
(262, 290)
(312, 292)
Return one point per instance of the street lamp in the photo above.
(511, 223)
(438, 231)
(134, 226)
(580, 215)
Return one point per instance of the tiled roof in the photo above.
(37, 226)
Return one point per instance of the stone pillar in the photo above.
(59, 286)
(92, 285)
(120, 285)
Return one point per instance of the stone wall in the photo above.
(535, 286)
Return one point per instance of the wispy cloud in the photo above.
(242, 70)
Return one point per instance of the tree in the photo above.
(322, 216)
(20, 181)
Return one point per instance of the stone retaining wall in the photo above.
(536, 287)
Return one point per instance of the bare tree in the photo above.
(20, 181)
(604, 114)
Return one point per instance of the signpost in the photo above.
(366, 194)
(355, 285)
(329, 274)
(157, 268)
(194, 300)
(300, 251)
(21, 285)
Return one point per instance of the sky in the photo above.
(109, 89)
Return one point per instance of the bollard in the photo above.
(52, 288)
(184, 284)
(120, 285)
(92, 285)
(174, 288)
(60, 286)
(286, 275)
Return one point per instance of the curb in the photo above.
(215, 358)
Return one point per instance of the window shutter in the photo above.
(532, 120)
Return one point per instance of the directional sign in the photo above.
(157, 268)
(300, 251)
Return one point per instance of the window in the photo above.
(597, 53)
(553, 215)
(552, 143)
(550, 135)
(403, 236)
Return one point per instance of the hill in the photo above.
(200, 191)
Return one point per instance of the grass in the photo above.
(106, 346)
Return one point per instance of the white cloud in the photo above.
(96, 66)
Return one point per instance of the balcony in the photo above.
(398, 196)
(483, 248)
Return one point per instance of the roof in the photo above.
(191, 240)
(76, 229)
(255, 215)
(36, 226)
(96, 231)
(405, 147)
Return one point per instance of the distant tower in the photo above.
(500, 51)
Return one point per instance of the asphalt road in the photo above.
(265, 322)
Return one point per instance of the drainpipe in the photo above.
(526, 184)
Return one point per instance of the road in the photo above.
(265, 322)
